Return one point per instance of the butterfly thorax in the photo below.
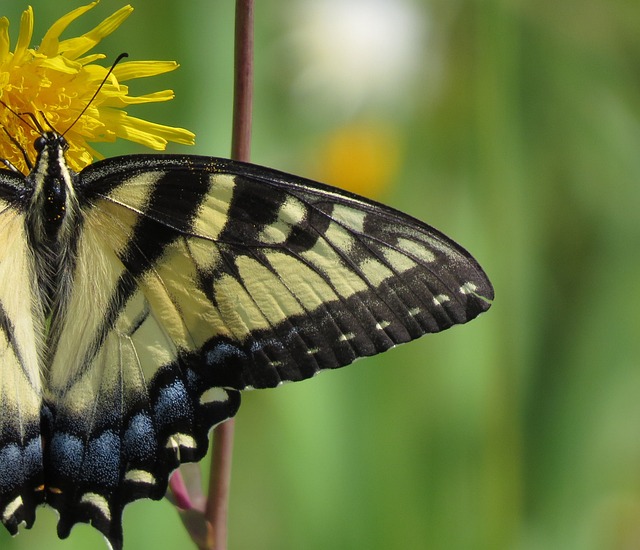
(52, 219)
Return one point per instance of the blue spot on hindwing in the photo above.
(67, 452)
(102, 460)
(139, 441)
(33, 456)
(172, 404)
(192, 380)
(11, 473)
(18, 464)
(223, 352)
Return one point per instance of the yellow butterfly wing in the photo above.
(21, 330)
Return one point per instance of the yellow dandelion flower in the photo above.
(56, 81)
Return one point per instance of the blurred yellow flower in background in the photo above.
(362, 157)
(57, 80)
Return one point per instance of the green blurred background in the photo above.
(512, 126)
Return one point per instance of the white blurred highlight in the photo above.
(357, 53)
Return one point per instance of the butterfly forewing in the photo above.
(193, 278)
(281, 276)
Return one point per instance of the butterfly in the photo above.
(139, 296)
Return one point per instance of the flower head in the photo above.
(56, 81)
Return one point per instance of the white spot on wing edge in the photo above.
(468, 288)
(11, 508)
(382, 325)
(214, 395)
(98, 502)
(414, 311)
(140, 476)
(180, 440)
(346, 337)
(440, 299)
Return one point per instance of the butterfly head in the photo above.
(49, 140)
(50, 164)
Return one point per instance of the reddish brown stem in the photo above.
(217, 509)
(243, 81)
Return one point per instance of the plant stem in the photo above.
(217, 509)
(243, 81)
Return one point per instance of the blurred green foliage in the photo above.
(520, 136)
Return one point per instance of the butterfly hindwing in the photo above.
(187, 279)
(137, 402)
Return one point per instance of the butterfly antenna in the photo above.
(34, 125)
(113, 66)
(26, 158)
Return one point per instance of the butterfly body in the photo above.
(146, 291)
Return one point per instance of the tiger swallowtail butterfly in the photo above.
(141, 295)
